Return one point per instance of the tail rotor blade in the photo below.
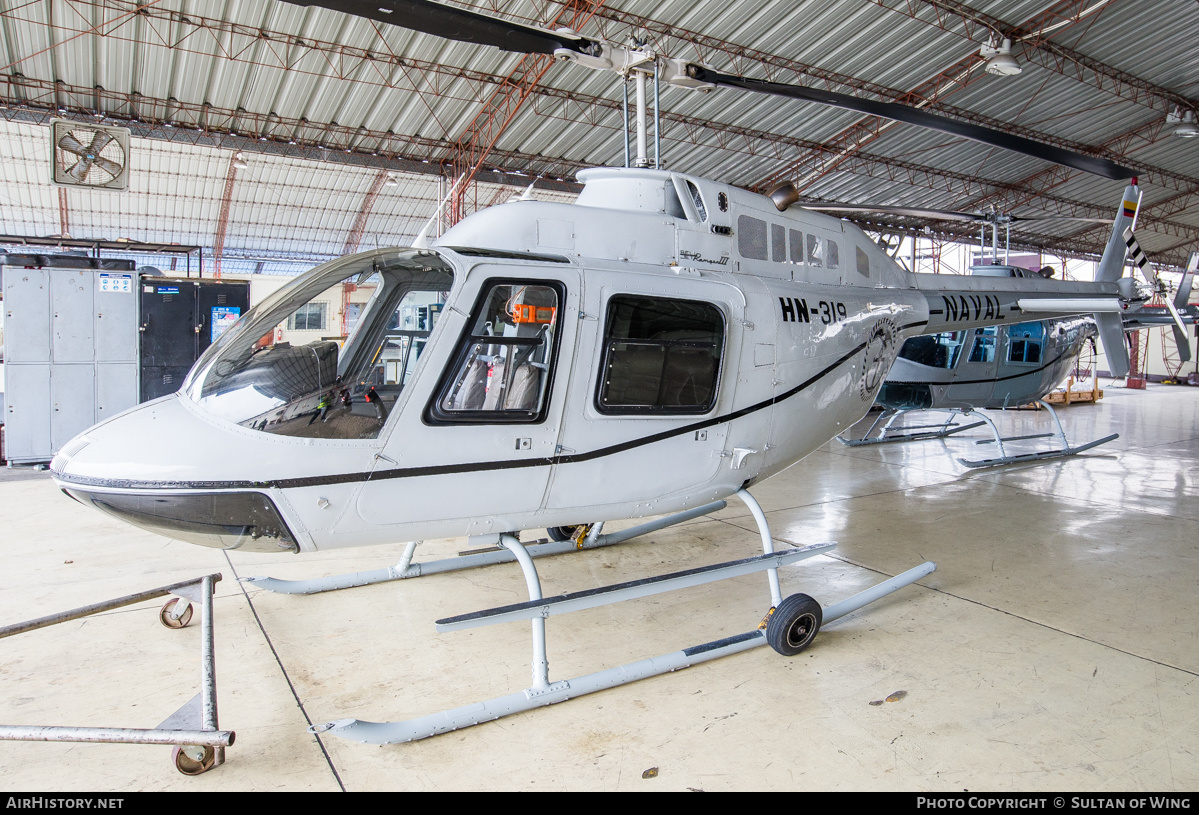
(1137, 256)
(1178, 323)
(1188, 277)
(1183, 342)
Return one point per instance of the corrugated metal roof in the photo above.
(282, 72)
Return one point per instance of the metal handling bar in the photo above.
(128, 600)
(117, 735)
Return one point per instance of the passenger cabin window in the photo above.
(935, 350)
(833, 254)
(863, 261)
(502, 369)
(815, 251)
(698, 200)
(796, 245)
(660, 356)
(751, 237)
(778, 243)
(1024, 343)
(984, 344)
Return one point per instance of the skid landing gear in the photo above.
(1061, 452)
(789, 628)
(884, 430)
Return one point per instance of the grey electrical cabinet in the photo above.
(71, 349)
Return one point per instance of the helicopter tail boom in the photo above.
(957, 303)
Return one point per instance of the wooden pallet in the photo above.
(1070, 397)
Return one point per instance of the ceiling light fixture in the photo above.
(239, 163)
(1000, 61)
(1183, 121)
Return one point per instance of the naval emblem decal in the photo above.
(881, 349)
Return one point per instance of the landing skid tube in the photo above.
(543, 692)
(887, 434)
(1062, 452)
(406, 569)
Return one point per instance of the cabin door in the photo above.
(653, 365)
(479, 431)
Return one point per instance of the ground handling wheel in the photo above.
(794, 624)
(164, 614)
(194, 759)
(562, 533)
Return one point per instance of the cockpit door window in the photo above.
(503, 368)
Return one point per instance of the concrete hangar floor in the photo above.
(1055, 647)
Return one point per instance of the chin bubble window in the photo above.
(503, 368)
(327, 356)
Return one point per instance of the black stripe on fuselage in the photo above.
(474, 466)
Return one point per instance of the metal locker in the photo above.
(71, 320)
(27, 412)
(27, 315)
(72, 402)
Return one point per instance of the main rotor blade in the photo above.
(911, 212)
(947, 214)
(459, 24)
(914, 116)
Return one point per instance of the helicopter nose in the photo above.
(131, 467)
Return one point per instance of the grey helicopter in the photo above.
(662, 344)
(961, 373)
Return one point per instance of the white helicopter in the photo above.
(660, 345)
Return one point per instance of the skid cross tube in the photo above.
(201, 710)
(593, 598)
(907, 432)
(406, 569)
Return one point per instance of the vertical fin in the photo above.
(1111, 335)
(1111, 265)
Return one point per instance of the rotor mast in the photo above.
(640, 64)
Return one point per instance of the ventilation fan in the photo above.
(91, 156)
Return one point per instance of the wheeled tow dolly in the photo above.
(197, 744)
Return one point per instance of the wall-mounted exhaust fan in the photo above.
(86, 155)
